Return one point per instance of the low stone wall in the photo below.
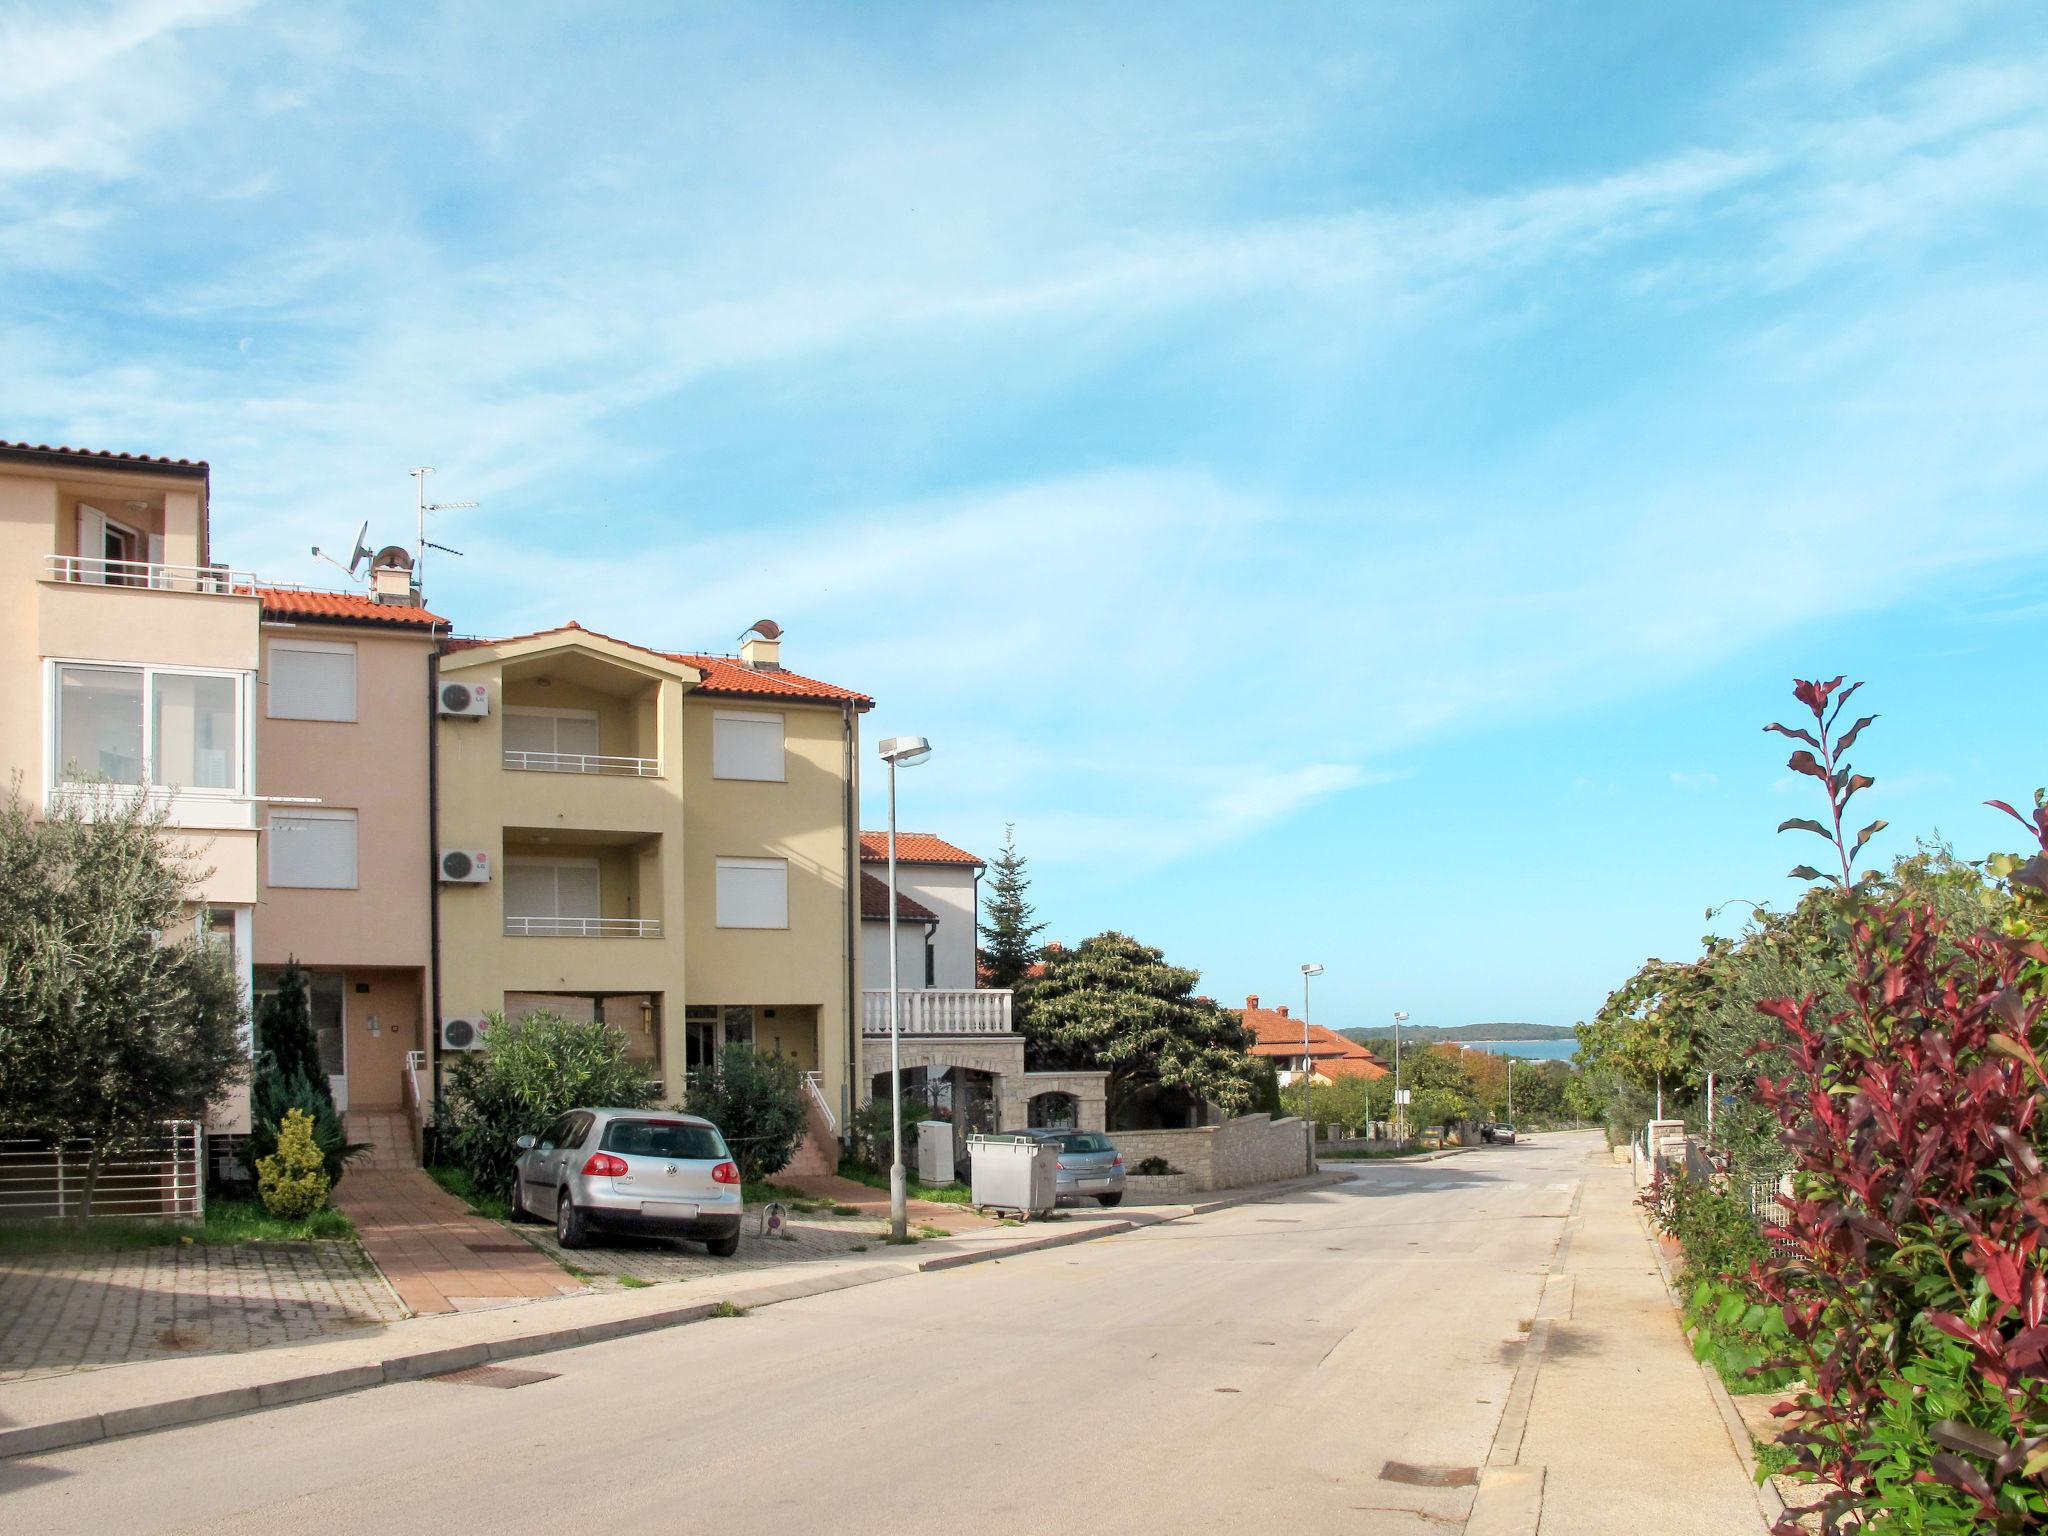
(1252, 1149)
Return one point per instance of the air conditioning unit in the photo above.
(462, 1034)
(464, 700)
(465, 866)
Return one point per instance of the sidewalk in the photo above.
(76, 1409)
(1611, 1430)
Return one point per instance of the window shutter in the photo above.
(746, 745)
(753, 893)
(313, 850)
(309, 682)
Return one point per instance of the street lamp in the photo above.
(897, 752)
(1400, 1109)
(1308, 1120)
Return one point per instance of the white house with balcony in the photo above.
(959, 1046)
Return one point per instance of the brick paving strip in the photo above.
(84, 1406)
(439, 1255)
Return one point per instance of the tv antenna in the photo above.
(419, 561)
(357, 554)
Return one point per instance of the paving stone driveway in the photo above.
(68, 1311)
(819, 1236)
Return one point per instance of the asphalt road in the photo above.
(1252, 1369)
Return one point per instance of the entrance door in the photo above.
(327, 996)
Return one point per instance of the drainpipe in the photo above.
(433, 1040)
(852, 936)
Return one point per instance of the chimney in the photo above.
(1281, 1010)
(391, 578)
(761, 647)
(1252, 1001)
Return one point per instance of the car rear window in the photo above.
(662, 1138)
(1086, 1141)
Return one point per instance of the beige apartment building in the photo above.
(128, 657)
(345, 723)
(665, 840)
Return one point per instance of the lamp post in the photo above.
(897, 752)
(1400, 1109)
(1308, 1121)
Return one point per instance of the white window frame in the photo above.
(739, 864)
(560, 714)
(298, 813)
(243, 755)
(537, 861)
(324, 648)
(752, 717)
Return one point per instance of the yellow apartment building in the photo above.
(665, 840)
(128, 656)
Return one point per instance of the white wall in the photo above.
(948, 889)
(874, 954)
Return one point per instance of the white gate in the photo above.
(162, 1178)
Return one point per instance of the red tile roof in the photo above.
(102, 456)
(874, 902)
(1275, 1034)
(344, 608)
(914, 848)
(724, 676)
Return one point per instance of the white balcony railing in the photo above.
(582, 927)
(93, 571)
(582, 762)
(930, 1012)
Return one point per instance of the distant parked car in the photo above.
(1089, 1164)
(1498, 1131)
(630, 1170)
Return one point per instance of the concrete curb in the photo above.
(504, 1337)
(1770, 1503)
(1509, 1502)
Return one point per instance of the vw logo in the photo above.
(671, 1170)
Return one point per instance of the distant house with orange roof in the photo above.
(1328, 1055)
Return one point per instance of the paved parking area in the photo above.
(656, 1259)
(71, 1311)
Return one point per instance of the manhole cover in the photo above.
(495, 1376)
(1429, 1477)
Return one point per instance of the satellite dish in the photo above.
(361, 551)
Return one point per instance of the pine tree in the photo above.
(284, 1028)
(1007, 950)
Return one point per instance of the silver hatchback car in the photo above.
(1089, 1164)
(632, 1170)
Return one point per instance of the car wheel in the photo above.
(723, 1247)
(569, 1223)
(1109, 1201)
(515, 1199)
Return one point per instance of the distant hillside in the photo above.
(1501, 1031)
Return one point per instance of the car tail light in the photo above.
(603, 1165)
(726, 1173)
(1117, 1161)
(1062, 1167)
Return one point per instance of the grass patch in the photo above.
(1771, 1458)
(845, 1210)
(227, 1222)
(634, 1282)
(858, 1248)
(931, 1231)
(459, 1184)
(905, 1240)
(766, 1190)
(954, 1193)
(727, 1309)
(1370, 1155)
(579, 1274)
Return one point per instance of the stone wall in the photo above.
(1252, 1149)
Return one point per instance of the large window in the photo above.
(310, 680)
(552, 894)
(753, 893)
(149, 725)
(567, 731)
(746, 745)
(313, 849)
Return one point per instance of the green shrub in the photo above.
(290, 1180)
(1713, 1227)
(1153, 1168)
(531, 1071)
(872, 1142)
(273, 1094)
(756, 1099)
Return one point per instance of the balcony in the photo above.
(933, 1012)
(582, 927)
(83, 570)
(582, 762)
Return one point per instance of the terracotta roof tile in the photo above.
(913, 848)
(102, 455)
(1276, 1034)
(344, 608)
(724, 676)
(874, 902)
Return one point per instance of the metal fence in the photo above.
(162, 1178)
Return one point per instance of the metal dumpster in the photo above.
(1015, 1173)
(935, 1151)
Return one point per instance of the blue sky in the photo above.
(1348, 481)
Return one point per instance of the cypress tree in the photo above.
(284, 1029)
(1007, 947)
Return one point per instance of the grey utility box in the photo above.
(935, 1151)
(1015, 1173)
